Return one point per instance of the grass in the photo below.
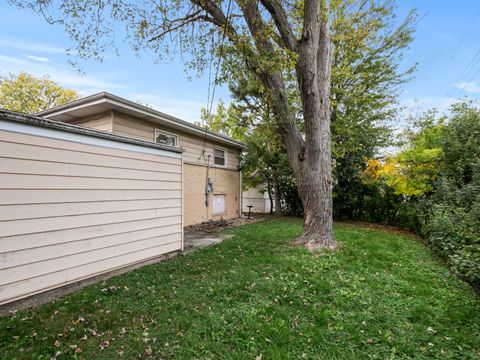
(380, 296)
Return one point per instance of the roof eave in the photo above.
(144, 111)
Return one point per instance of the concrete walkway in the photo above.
(196, 240)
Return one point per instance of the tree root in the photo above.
(316, 242)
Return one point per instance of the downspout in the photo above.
(240, 203)
(207, 185)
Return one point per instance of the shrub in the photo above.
(451, 220)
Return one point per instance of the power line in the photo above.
(465, 34)
(469, 80)
(470, 66)
(465, 72)
(212, 98)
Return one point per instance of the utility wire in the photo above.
(210, 99)
(469, 80)
(465, 35)
(466, 71)
(471, 65)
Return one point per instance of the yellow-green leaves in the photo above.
(27, 94)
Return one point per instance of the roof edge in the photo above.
(108, 96)
(42, 122)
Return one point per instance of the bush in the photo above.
(451, 220)
(452, 226)
(291, 202)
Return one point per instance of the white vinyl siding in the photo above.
(70, 210)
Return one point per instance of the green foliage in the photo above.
(366, 80)
(226, 120)
(434, 182)
(380, 296)
(27, 94)
(414, 169)
(452, 217)
(291, 202)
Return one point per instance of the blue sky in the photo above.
(447, 39)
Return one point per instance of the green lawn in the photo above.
(379, 296)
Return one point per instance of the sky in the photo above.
(446, 50)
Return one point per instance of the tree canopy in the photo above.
(27, 94)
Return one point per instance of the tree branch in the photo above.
(281, 21)
(187, 20)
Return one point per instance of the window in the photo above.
(166, 138)
(218, 204)
(220, 156)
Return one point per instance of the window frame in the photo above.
(157, 131)
(225, 156)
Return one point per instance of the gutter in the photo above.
(45, 123)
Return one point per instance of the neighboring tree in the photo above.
(265, 161)
(281, 44)
(436, 180)
(413, 171)
(366, 78)
(27, 94)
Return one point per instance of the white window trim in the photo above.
(226, 156)
(166, 133)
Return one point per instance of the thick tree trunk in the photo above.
(310, 154)
(313, 171)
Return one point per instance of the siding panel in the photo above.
(126, 125)
(71, 210)
(63, 277)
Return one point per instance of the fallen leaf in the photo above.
(80, 319)
(57, 343)
(148, 351)
(104, 344)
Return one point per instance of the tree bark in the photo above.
(313, 175)
(310, 154)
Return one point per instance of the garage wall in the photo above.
(225, 182)
(256, 197)
(74, 206)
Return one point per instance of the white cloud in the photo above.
(27, 45)
(38, 58)
(65, 76)
(468, 86)
(415, 107)
(182, 107)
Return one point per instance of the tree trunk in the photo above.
(313, 171)
(310, 154)
(276, 194)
